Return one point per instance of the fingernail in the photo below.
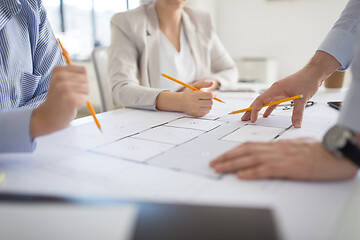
(297, 124)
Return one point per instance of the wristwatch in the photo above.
(342, 142)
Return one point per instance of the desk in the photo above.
(304, 210)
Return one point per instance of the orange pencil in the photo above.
(269, 104)
(187, 85)
(90, 107)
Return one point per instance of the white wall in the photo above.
(210, 6)
(287, 30)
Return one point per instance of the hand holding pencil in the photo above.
(192, 100)
(187, 85)
(302, 82)
(68, 91)
(90, 107)
(269, 104)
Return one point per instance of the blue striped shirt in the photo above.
(28, 53)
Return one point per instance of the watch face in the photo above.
(336, 138)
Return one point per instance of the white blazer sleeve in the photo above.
(223, 67)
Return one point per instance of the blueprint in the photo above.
(164, 156)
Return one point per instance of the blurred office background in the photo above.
(269, 39)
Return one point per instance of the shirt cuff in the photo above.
(350, 115)
(141, 97)
(15, 131)
(339, 44)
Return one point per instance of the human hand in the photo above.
(198, 103)
(296, 84)
(68, 91)
(301, 159)
(200, 84)
(306, 82)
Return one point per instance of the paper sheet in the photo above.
(170, 135)
(311, 128)
(253, 133)
(274, 121)
(195, 123)
(134, 149)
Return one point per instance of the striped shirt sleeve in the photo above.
(24, 92)
(15, 131)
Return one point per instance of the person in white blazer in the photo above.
(164, 36)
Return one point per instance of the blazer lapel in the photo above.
(153, 38)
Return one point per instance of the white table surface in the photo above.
(348, 227)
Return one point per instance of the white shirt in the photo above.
(180, 65)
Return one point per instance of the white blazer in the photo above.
(134, 64)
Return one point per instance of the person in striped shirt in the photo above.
(38, 95)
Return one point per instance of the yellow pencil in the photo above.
(2, 177)
(187, 85)
(269, 104)
(90, 107)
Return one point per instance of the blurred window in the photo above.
(84, 24)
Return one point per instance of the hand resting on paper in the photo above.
(301, 159)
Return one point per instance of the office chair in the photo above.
(99, 58)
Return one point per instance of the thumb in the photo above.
(298, 112)
(203, 84)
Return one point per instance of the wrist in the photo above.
(38, 123)
(322, 65)
(216, 84)
(170, 101)
(341, 141)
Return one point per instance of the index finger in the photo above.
(297, 115)
(266, 97)
(205, 95)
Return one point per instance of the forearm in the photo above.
(170, 101)
(322, 65)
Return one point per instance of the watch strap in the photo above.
(352, 152)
